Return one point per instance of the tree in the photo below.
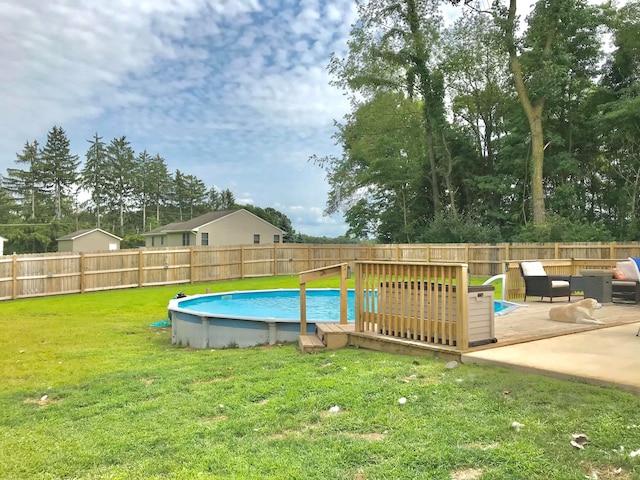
(384, 157)
(25, 185)
(195, 195)
(142, 183)
(221, 200)
(391, 48)
(477, 80)
(276, 218)
(120, 177)
(541, 61)
(92, 176)
(7, 206)
(618, 102)
(158, 184)
(58, 168)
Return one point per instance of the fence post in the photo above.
(242, 261)
(82, 270)
(462, 297)
(14, 275)
(140, 267)
(275, 259)
(192, 273)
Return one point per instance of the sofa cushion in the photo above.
(533, 269)
(629, 270)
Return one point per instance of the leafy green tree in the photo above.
(92, 176)
(477, 78)
(276, 218)
(618, 103)
(382, 168)
(59, 168)
(542, 60)
(391, 48)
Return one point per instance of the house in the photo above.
(89, 240)
(2, 242)
(225, 227)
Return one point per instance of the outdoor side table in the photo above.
(597, 284)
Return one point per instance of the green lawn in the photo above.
(89, 390)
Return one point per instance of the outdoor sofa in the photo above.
(625, 285)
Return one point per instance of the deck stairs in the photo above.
(328, 336)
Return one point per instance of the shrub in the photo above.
(448, 228)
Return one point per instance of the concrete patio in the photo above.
(528, 341)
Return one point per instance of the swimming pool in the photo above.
(246, 318)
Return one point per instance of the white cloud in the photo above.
(233, 91)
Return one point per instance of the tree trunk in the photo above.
(537, 162)
(533, 113)
(433, 164)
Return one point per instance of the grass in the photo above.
(90, 391)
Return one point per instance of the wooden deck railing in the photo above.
(343, 271)
(416, 301)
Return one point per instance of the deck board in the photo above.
(531, 321)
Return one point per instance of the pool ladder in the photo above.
(503, 278)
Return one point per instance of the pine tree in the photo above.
(25, 185)
(93, 174)
(59, 168)
(119, 176)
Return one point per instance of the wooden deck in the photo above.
(527, 323)
(531, 322)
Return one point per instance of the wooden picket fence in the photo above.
(34, 275)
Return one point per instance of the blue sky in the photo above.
(235, 92)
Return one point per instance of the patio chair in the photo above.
(625, 284)
(539, 284)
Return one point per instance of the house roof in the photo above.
(80, 233)
(199, 222)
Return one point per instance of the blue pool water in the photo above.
(322, 304)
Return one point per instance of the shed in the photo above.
(89, 240)
(2, 242)
(224, 227)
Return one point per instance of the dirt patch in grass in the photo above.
(147, 381)
(284, 434)
(41, 402)
(605, 472)
(468, 474)
(218, 418)
(371, 437)
(213, 380)
(482, 446)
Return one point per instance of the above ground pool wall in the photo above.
(195, 331)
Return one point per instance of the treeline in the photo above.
(125, 193)
(493, 129)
